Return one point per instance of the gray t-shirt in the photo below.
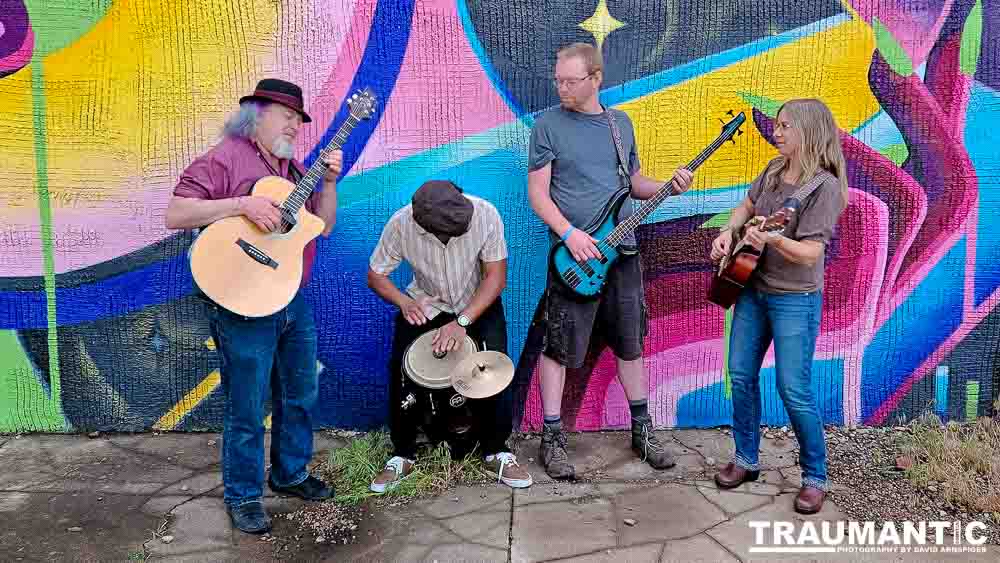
(815, 221)
(584, 163)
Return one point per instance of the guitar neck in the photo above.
(627, 226)
(304, 188)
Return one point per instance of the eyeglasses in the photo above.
(571, 82)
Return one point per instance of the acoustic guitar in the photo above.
(736, 267)
(255, 273)
(585, 279)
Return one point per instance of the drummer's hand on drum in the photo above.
(412, 312)
(448, 337)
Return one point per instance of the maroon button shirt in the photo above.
(230, 169)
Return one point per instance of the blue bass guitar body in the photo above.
(586, 279)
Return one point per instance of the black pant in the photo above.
(492, 415)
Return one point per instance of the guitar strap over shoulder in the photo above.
(802, 193)
(617, 136)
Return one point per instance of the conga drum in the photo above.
(427, 389)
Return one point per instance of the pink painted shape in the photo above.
(442, 94)
(329, 96)
(20, 58)
(915, 25)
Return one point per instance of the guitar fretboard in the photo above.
(628, 225)
(305, 186)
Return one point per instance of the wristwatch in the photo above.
(463, 321)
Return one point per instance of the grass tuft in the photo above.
(353, 467)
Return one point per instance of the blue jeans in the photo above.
(267, 357)
(792, 321)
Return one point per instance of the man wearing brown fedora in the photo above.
(265, 356)
(455, 245)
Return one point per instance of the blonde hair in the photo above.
(590, 55)
(820, 149)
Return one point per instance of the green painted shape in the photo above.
(971, 400)
(768, 106)
(45, 219)
(891, 50)
(719, 221)
(55, 28)
(897, 153)
(24, 406)
(726, 331)
(972, 40)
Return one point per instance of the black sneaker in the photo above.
(250, 517)
(310, 489)
(648, 446)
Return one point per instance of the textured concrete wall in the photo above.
(103, 103)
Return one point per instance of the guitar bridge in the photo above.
(257, 254)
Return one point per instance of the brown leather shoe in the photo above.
(809, 500)
(733, 475)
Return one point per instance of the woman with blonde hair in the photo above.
(783, 299)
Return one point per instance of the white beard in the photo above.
(282, 148)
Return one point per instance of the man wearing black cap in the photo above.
(273, 355)
(455, 245)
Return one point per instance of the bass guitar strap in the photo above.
(617, 136)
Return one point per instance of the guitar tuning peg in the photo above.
(730, 113)
(720, 120)
(739, 131)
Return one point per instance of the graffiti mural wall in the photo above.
(103, 103)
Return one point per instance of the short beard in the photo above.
(282, 148)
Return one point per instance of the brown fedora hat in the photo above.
(282, 92)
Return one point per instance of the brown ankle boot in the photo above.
(809, 500)
(733, 475)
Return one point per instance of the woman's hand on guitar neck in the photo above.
(582, 246)
(721, 245)
(264, 212)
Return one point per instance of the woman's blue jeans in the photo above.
(792, 322)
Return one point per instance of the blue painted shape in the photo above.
(114, 296)
(980, 142)
(931, 313)
(709, 406)
(941, 391)
(378, 70)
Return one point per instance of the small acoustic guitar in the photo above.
(736, 267)
(255, 273)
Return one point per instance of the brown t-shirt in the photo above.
(815, 221)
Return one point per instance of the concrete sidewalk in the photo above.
(121, 497)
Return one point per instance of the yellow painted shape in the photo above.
(143, 87)
(601, 24)
(675, 124)
(193, 398)
(17, 151)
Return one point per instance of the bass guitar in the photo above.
(585, 279)
(736, 267)
(256, 273)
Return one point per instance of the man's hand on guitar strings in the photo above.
(682, 180)
(264, 212)
(334, 163)
(582, 246)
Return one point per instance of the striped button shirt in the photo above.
(445, 277)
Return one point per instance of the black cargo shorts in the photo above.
(620, 314)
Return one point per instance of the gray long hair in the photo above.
(243, 123)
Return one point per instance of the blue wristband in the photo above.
(568, 231)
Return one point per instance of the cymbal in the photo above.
(482, 374)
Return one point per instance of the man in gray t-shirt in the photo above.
(573, 171)
(584, 163)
